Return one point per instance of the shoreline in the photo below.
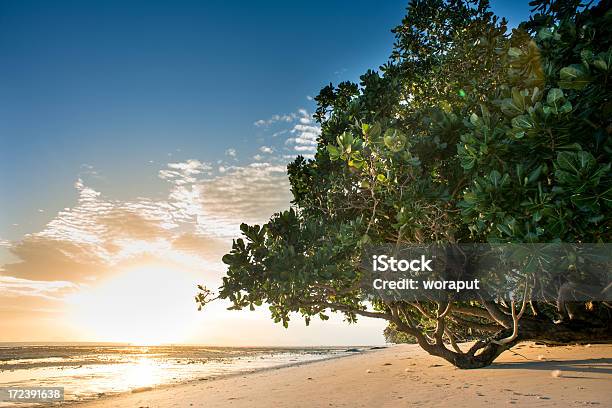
(400, 375)
(349, 352)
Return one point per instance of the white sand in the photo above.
(402, 376)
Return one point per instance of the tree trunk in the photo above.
(483, 353)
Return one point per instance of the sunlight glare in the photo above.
(146, 305)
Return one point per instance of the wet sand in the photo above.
(404, 376)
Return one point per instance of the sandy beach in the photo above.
(403, 375)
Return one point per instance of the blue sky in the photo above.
(114, 85)
(136, 136)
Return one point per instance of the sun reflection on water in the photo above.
(144, 373)
(141, 367)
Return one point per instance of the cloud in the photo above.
(252, 192)
(51, 290)
(190, 166)
(300, 148)
(279, 133)
(305, 135)
(248, 193)
(200, 245)
(276, 118)
(50, 259)
(200, 212)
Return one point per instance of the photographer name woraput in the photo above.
(385, 263)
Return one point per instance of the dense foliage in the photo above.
(394, 336)
(469, 133)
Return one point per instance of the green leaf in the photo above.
(596, 219)
(566, 107)
(504, 229)
(603, 61)
(554, 95)
(574, 168)
(515, 52)
(536, 95)
(600, 64)
(574, 77)
(334, 152)
(356, 160)
(365, 239)
(584, 202)
(573, 72)
(534, 175)
(509, 107)
(475, 120)
(518, 99)
(586, 56)
(394, 140)
(522, 122)
(495, 176)
(345, 140)
(546, 33)
(371, 131)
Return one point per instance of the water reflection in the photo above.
(88, 373)
(144, 373)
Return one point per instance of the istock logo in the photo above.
(383, 263)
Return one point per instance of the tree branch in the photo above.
(496, 314)
(515, 319)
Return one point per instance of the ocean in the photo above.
(90, 371)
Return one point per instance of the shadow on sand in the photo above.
(595, 366)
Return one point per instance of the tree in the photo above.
(468, 134)
(392, 335)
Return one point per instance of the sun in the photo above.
(146, 305)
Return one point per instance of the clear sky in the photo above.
(135, 136)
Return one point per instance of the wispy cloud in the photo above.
(305, 135)
(52, 290)
(202, 210)
(279, 133)
(200, 213)
(276, 118)
(216, 205)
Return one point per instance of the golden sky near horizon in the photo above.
(126, 270)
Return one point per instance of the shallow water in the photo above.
(89, 372)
